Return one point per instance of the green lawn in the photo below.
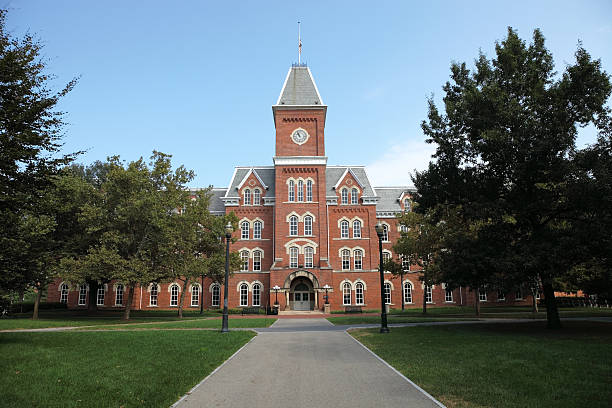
(193, 323)
(109, 369)
(360, 319)
(503, 365)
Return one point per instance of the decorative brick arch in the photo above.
(298, 274)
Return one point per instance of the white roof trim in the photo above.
(231, 182)
(284, 85)
(348, 170)
(315, 86)
(251, 171)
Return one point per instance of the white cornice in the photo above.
(300, 160)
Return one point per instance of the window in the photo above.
(344, 196)
(356, 229)
(257, 294)
(174, 290)
(482, 295)
(406, 204)
(407, 292)
(308, 225)
(308, 257)
(346, 259)
(387, 293)
(64, 293)
(300, 191)
(309, 190)
(256, 197)
(83, 294)
(293, 257)
(344, 229)
(359, 293)
(257, 230)
(405, 264)
(119, 295)
(216, 295)
(291, 191)
(448, 295)
(244, 295)
(519, 294)
(244, 228)
(257, 261)
(195, 295)
(100, 297)
(244, 257)
(386, 256)
(247, 197)
(358, 259)
(428, 294)
(346, 293)
(537, 294)
(153, 295)
(385, 236)
(404, 228)
(501, 295)
(354, 196)
(293, 225)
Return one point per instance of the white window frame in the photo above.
(358, 259)
(309, 190)
(385, 236)
(308, 257)
(215, 300)
(293, 226)
(448, 295)
(174, 294)
(359, 298)
(346, 294)
(386, 256)
(291, 191)
(119, 295)
(356, 229)
(153, 295)
(405, 263)
(195, 295)
(100, 296)
(244, 295)
(428, 294)
(244, 261)
(63, 293)
(256, 294)
(293, 257)
(344, 229)
(300, 191)
(244, 230)
(257, 227)
(346, 259)
(308, 226)
(247, 197)
(257, 197)
(482, 295)
(257, 260)
(354, 196)
(344, 196)
(83, 294)
(501, 295)
(387, 287)
(407, 206)
(407, 292)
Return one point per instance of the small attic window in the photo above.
(316, 102)
(283, 102)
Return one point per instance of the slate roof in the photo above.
(333, 174)
(299, 88)
(388, 197)
(265, 173)
(216, 205)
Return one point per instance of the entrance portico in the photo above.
(301, 291)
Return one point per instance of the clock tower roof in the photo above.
(299, 89)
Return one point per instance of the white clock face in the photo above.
(299, 136)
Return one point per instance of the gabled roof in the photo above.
(265, 175)
(347, 171)
(389, 197)
(244, 179)
(216, 206)
(299, 88)
(334, 174)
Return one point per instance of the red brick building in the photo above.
(303, 226)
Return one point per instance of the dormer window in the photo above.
(354, 196)
(407, 204)
(344, 196)
(256, 197)
(247, 197)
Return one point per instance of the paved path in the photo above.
(305, 362)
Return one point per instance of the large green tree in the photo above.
(504, 156)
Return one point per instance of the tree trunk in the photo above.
(128, 305)
(37, 302)
(552, 313)
(534, 302)
(424, 299)
(92, 307)
(182, 298)
(477, 301)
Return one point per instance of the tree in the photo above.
(505, 161)
(30, 140)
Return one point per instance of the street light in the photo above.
(380, 230)
(228, 234)
(326, 287)
(276, 289)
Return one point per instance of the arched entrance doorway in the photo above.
(301, 294)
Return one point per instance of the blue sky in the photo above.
(197, 79)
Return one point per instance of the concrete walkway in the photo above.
(305, 362)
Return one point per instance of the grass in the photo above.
(503, 365)
(192, 324)
(358, 319)
(120, 369)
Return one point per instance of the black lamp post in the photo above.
(276, 289)
(326, 287)
(380, 230)
(228, 234)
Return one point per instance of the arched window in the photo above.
(354, 196)
(256, 294)
(356, 229)
(385, 236)
(308, 257)
(387, 293)
(100, 297)
(300, 191)
(244, 228)
(257, 261)
(344, 196)
(195, 295)
(83, 294)
(293, 226)
(244, 257)
(309, 190)
(386, 256)
(257, 230)
(407, 292)
(359, 293)
(247, 197)
(346, 259)
(346, 293)
(404, 228)
(308, 225)
(244, 295)
(291, 191)
(428, 294)
(344, 229)
(358, 259)
(64, 293)
(174, 292)
(293, 257)
(256, 197)
(216, 295)
(119, 295)
(448, 295)
(153, 295)
(406, 204)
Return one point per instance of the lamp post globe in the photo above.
(228, 235)
(380, 230)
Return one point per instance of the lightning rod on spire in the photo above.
(299, 45)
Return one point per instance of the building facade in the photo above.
(306, 229)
